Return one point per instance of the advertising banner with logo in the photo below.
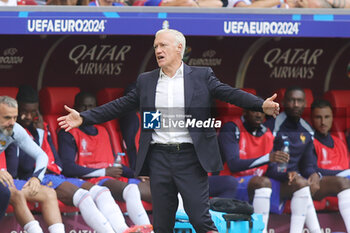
(21, 58)
(95, 62)
(339, 74)
(284, 62)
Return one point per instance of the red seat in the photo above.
(228, 112)
(26, 3)
(52, 101)
(9, 91)
(332, 203)
(2, 161)
(309, 99)
(340, 100)
(104, 96)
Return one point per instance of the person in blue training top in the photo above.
(302, 166)
(97, 205)
(30, 190)
(246, 147)
(86, 152)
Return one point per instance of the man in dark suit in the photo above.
(177, 159)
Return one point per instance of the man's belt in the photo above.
(173, 147)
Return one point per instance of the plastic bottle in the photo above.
(118, 159)
(282, 167)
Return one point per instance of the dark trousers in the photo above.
(178, 171)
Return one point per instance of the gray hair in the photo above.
(9, 101)
(179, 38)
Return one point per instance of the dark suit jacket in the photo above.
(200, 87)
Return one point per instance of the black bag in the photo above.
(230, 205)
(236, 210)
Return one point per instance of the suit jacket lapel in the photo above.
(188, 86)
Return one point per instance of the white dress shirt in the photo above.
(170, 101)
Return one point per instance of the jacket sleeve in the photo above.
(67, 151)
(12, 160)
(232, 95)
(32, 149)
(111, 110)
(308, 161)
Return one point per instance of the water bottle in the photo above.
(118, 159)
(282, 167)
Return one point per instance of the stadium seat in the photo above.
(104, 96)
(340, 100)
(228, 112)
(309, 99)
(52, 101)
(332, 204)
(26, 3)
(339, 134)
(2, 161)
(64, 209)
(9, 91)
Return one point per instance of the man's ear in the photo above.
(179, 48)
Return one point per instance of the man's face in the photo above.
(86, 103)
(28, 113)
(322, 119)
(254, 119)
(8, 117)
(294, 103)
(167, 50)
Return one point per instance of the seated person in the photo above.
(246, 146)
(22, 191)
(67, 2)
(289, 126)
(256, 4)
(97, 205)
(86, 152)
(107, 3)
(186, 3)
(331, 152)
